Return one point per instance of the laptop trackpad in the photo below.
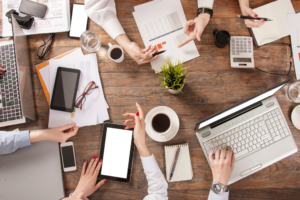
(251, 169)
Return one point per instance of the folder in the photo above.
(46, 64)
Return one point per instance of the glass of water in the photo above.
(90, 41)
(293, 92)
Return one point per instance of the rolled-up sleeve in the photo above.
(11, 141)
(103, 12)
(206, 3)
(214, 196)
(157, 184)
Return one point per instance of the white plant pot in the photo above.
(174, 91)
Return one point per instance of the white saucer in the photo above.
(296, 117)
(174, 121)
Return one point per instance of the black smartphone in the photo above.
(33, 8)
(65, 89)
(79, 21)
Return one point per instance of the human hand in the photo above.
(60, 134)
(87, 182)
(135, 52)
(247, 11)
(194, 28)
(222, 165)
(2, 70)
(139, 130)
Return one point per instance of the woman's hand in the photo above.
(87, 182)
(2, 70)
(60, 134)
(139, 127)
(134, 51)
(194, 28)
(247, 11)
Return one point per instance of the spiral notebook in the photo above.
(183, 170)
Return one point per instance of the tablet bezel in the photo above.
(59, 70)
(111, 178)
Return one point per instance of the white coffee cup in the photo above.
(111, 48)
(165, 134)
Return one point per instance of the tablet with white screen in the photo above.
(117, 147)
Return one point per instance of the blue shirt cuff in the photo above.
(23, 139)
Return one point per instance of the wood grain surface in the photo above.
(214, 86)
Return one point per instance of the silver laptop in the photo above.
(16, 96)
(32, 173)
(255, 129)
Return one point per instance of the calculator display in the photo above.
(248, 60)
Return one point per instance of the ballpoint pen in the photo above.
(258, 18)
(155, 54)
(175, 162)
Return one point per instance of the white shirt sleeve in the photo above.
(205, 3)
(103, 12)
(157, 184)
(214, 196)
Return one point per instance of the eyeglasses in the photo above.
(88, 90)
(291, 62)
(43, 49)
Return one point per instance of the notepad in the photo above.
(276, 29)
(183, 170)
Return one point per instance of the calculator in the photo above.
(241, 52)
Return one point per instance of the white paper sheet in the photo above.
(294, 27)
(57, 17)
(161, 23)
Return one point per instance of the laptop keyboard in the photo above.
(252, 135)
(10, 107)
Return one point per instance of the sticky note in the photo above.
(299, 56)
(72, 115)
(159, 46)
(163, 43)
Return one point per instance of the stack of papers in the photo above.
(161, 23)
(294, 25)
(94, 110)
(57, 17)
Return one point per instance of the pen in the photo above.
(155, 54)
(175, 162)
(258, 18)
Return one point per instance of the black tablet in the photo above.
(65, 89)
(117, 147)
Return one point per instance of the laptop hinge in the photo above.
(236, 114)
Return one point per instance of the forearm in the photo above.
(36, 136)
(11, 141)
(123, 41)
(243, 4)
(143, 150)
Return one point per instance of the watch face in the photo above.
(217, 188)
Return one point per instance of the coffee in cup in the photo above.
(115, 53)
(161, 123)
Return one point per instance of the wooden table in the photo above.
(214, 86)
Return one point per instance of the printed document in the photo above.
(57, 17)
(294, 24)
(161, 25)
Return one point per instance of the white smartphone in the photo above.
(68, 156)
(79, 21)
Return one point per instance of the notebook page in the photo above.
(183, 170)
(280, 9)
(268, 32)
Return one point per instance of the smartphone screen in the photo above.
(68, 156)
(78, 21)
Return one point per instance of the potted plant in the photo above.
(173, 76)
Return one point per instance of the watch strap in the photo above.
(205, 10)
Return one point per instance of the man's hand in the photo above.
(222, 165)
(60, 134)
(134, 51)
(194, 28)
(87, 182)
(139, 130)
(2, 70)
(247, 11)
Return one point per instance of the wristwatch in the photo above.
(218, 188)
(205, 10)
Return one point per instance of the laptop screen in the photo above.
(239, 106)
(23, 69)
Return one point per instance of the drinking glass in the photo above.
(90, 41)
(293, 92)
